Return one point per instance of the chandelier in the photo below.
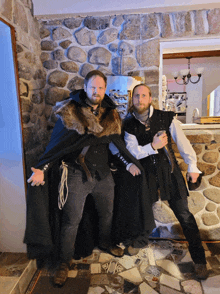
(186, 75)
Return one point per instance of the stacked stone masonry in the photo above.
(115, 44)
(54, 56)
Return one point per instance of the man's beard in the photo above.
(141, 110)
(95, 101)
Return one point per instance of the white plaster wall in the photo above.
(12, 190)
(194, 99)
(217, 102)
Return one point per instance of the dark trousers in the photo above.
(190, 229)
(78, 189)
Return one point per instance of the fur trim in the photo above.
(81, 119)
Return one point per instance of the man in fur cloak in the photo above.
(74, 165)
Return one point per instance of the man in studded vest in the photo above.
(147, 134)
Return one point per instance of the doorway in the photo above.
(205, 53)
(12, 185)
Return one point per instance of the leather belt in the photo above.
(81, 161)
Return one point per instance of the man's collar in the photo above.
(94, 111)
(150, 113)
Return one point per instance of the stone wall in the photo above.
(32, 75)
(204, 202)
(115, 44)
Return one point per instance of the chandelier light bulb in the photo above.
(199, 70)
(175, 74)
(184, 72)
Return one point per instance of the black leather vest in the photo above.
(97, 160)
(157, 167)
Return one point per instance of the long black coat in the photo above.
(43, 216)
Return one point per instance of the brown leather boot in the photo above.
(113, 250)
(133, 251)
(201, 271)
(61, 275)
(116, 251)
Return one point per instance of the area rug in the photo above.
(76, 285)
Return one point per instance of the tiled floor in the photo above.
(163, 267)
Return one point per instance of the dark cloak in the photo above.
(43, 216)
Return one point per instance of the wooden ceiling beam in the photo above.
(211, 53)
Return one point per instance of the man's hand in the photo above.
(37, 178)
(134, 170)
(159, 141)
(193, 176)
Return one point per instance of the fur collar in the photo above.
(80, 118)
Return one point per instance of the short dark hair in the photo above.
(130, 103)
(94, 73)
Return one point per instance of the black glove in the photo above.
(194, 186)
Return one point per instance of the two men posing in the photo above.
(75, 164)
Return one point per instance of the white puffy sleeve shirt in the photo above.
(185, 148)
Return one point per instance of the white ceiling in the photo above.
(82, 7)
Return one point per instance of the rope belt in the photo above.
(62, 197)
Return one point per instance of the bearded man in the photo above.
(147, 134)
(87, 123)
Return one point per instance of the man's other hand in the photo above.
(193, 176)
(134, 170)
(37, 177)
